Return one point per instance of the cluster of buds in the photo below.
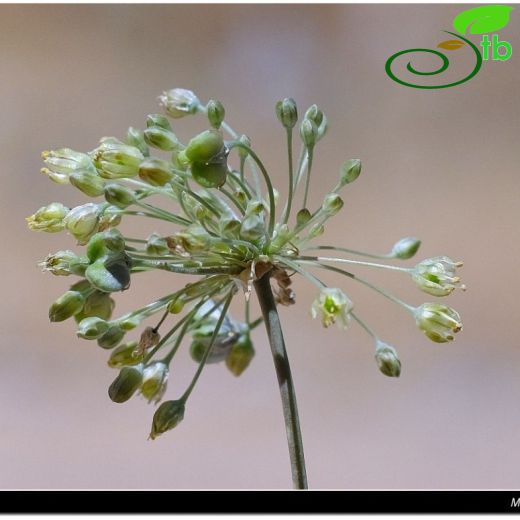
(226, 229)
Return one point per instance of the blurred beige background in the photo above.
(442, 165)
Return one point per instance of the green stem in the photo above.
(307, 180)
(285, 382)
(287, 211)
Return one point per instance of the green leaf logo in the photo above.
(483, 19)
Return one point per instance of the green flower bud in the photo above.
(387, 360)
(309, 133)
(405, 248)
(180, 160)
(437, 321)
(216, 113)
(247, 142)
(111, 217)
(114, 159)
(179, 102)
(302, 217)
(157, 245)
(83, 221)
(333, 306)
(61, 163)
(350, 171)
(252, 228)
(126, 384)
(90, 183)
(135, 138)
(287, 113)
(64, 263)
(66, 305)
(120, 196)
(176, 305)
(98, 304)
(126, 354)
(204, 147)
(161, 138)
(197, 349)
(332, 203)
(155, 377)
(48, 218)
(159, 121)
(112, 337)
(129, 323)
(209, 175)
(110, 274)
(92, 328)
(240, 355)
(315, 115)
(167, 417)
(103, 243)
(230, 227)
(155, 171)
(436, 276)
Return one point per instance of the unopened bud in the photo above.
(387, 360)
(350, 171)
(98, 304)
(126, 384)
(135, 137)
(114, 159)
(309, 133)
(155, 171)
(204, 146)
(161, 138)
(166, 417)
(315, 115)
(110, 274)
(247, 142)
(179, 102)
(252, 227)
(66, 305)
(126, 354)
(405, 248)
(90, 183)
(112, 337)
(332, 204)
(240, 355)
(83, 221)
(302, 217)
(118, 195)
(216, 113)
(92, 328)
(156, 245)
(159, 121)
(287, 113)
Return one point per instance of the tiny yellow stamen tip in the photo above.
(45, 154)
(45, 171)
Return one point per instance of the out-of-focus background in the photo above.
(441, 165)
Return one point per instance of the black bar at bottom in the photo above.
(260, 501)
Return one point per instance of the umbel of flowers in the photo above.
(229, 227)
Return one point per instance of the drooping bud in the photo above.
(89, 182)
(98, 304)
(216, 113)
(155, 377)
(135, 137)
(48, 218)
(92, 328)
(126, 383)
(66, 305)
(436, 276)
(114, 159)
(176, 305)
(332, 203)
(287, 113)
(83, 221)
(405, 248)
(387, 360)
(161, 138)
(350, 171)
(126, 354)
(155, 171)
(166, 417)
(438, 322)
(118, 195)
(315, 115)
(240, 355)
(179, 102)
(333, 306)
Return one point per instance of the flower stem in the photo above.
(285, 382)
